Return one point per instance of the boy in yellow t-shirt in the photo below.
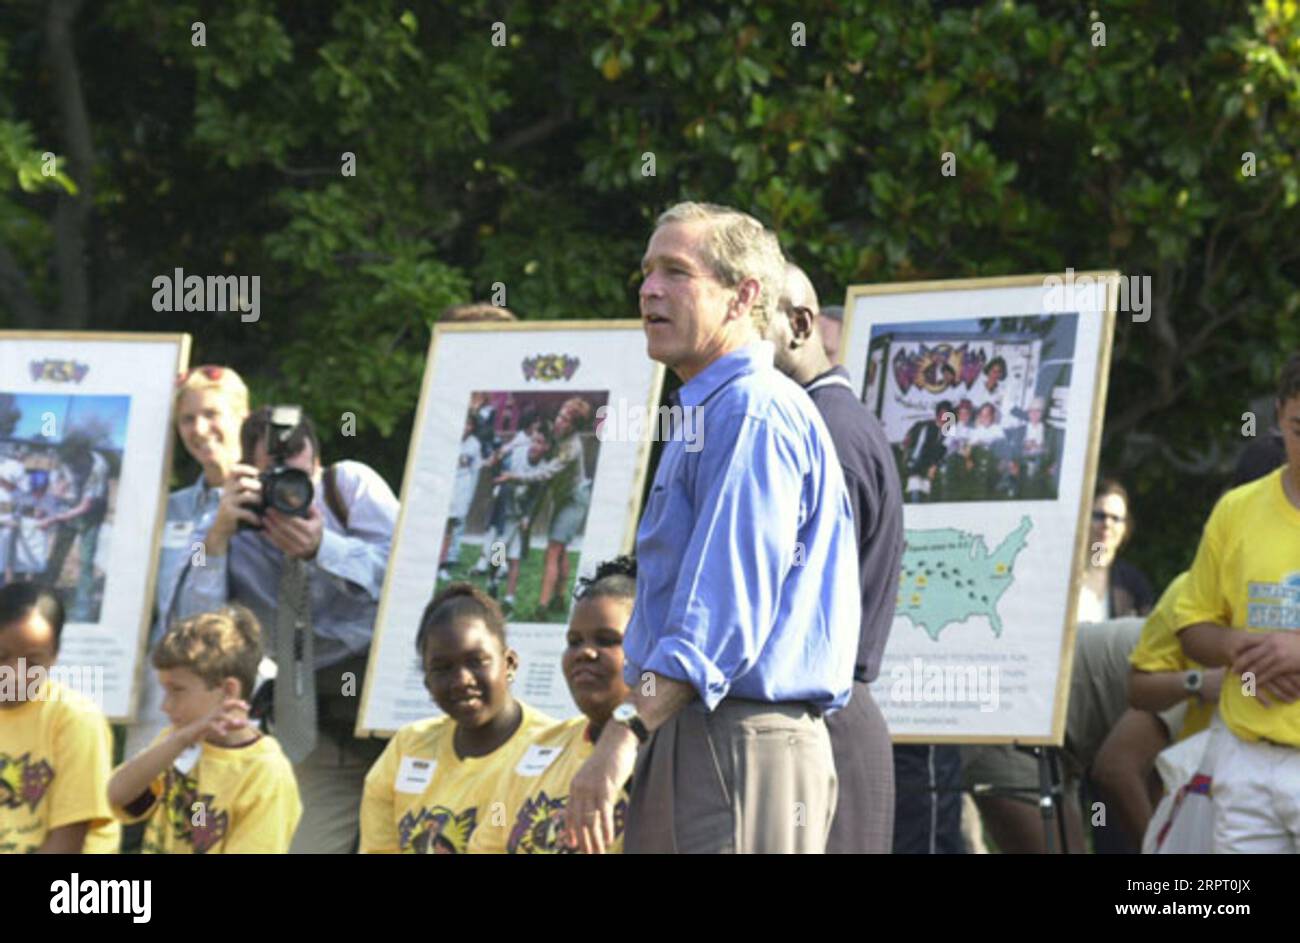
(538, 791)
(55, 746)
(440, 780)
(209, 783)
(1241, 608)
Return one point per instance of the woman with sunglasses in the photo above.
(210, 406)
(1111, 588)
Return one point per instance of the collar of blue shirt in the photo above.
(751, 358)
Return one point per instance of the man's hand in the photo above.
(241, 491)
(230, 714)
(503, 478)
(589, 818)
(295, 536)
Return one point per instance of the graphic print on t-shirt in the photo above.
(540, 824)
(23, 781)
(1274, 606)
(190, 816)
(436, 831)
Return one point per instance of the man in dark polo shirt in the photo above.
(864, 815)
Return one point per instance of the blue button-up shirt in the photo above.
(190, 512)
(747, 580)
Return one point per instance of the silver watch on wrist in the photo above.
(626, 715)
(1192, 682)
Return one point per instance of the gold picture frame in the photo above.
(856, 345)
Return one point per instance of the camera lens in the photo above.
(290, 491)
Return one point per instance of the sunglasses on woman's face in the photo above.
(1101, 517)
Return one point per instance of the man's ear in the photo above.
(803, 325)
(747, 293)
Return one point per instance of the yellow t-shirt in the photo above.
(421, 798)
(221, 800)
(55, 756)
(1247, 576)
(1158, 650)
(539, 792)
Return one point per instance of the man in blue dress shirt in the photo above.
(745, 628)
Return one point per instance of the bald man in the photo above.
(864, 762)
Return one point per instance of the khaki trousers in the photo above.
(330, 782)
(747, 777)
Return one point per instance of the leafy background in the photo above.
(522, 164)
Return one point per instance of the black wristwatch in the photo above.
(626, 715)
(1192, 682)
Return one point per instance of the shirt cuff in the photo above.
(1185, 620)
(210, 578)
(332, 554)
(138, 808)
(679, 660)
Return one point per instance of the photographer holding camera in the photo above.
(305, 549)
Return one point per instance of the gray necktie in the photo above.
(295, 680)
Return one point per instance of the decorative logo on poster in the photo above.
(59, 371)
(938, 368)
(547, 368)
(926, 373)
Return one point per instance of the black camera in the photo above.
(288, 490)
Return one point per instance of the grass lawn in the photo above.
(530, 581)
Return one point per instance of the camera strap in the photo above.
(332, 498)
(294, 695)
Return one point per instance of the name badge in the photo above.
(176, 535)
(415, 774)
(537, 759)
(188, 758)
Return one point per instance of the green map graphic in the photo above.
(949, 576)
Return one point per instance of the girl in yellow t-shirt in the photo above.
(440, 780)
(593, 668)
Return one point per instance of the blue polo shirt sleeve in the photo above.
(735, 561)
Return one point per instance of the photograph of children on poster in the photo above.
(524, 473)
(85, 452)
(991, 393)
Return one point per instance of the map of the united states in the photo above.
(949, 576)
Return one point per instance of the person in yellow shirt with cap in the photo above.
(210, 783)
(1240, 608)
(439, 780)
(55, 747)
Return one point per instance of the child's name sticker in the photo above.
(176, 535)
(187, 758)
(537, 759)
(415, 774)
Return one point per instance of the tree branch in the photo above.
(72, 213)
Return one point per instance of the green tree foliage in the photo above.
(509, 143)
